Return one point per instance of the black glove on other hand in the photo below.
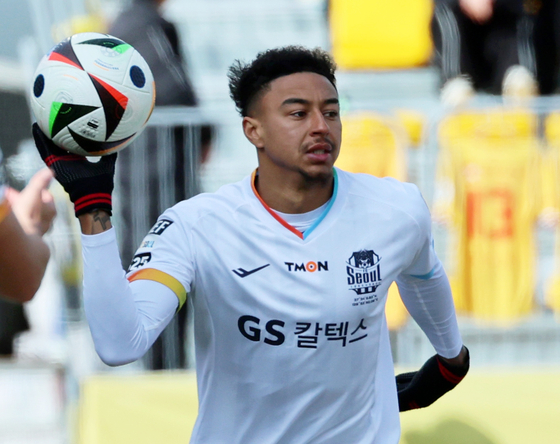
(436, 377)
(89, 184)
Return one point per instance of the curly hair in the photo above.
(247, 81)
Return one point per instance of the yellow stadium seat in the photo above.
(414, 123)
(395, 311)
(490, 123)
(377, 34)
(373, 144)
(93, 21)
(552, 128)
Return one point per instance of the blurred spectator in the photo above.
(546, 40)
(477, 49)
(141, 25)
(24, 218)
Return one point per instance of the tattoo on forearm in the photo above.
(100, 219)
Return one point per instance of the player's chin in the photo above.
(319, 171)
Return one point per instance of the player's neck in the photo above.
(294, 193)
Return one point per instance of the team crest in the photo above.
(364, 273)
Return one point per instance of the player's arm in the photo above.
(426, 293)
(127, 332)
(430, 303)
(24, 217)
(479, 11)
(95, 222)
(124, 319)
(23, 259)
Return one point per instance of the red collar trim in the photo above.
(273, 213)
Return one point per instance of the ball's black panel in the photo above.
(39, 85)
(65, 53)
(137, 76)
(68, 113)
(112, 107)
(109, 42)
(97, 148)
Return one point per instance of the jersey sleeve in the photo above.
(166, 256)
(430, 303)
(124, 318)
(425, 258)
(425, 290)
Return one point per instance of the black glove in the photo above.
(89, 184)
(436, 377)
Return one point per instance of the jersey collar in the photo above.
(285, 224)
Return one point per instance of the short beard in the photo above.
(313, 180)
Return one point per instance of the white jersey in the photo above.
(291, 339)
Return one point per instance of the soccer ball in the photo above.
(92, 94)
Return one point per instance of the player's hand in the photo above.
(479, 11)
(34, 206)
(89, 184)
(436, 377)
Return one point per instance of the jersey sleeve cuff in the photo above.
(452, 352)
(104, 238)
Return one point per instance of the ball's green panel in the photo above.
(62, 114)
(113, 43)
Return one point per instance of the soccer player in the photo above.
(24, 218)
(287, 272)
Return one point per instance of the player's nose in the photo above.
(319, 124)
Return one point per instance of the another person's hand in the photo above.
(479, 11)
(34, 206)
(89, 184)
(436, 377)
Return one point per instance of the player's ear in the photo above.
(252, 129)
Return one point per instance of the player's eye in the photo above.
(331, 114)
(298, 114)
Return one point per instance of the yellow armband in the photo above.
(169, 281)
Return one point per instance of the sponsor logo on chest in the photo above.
(308, 267)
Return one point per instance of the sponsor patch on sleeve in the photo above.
(139, 261)
(160, 226)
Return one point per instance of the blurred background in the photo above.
(459, 97)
